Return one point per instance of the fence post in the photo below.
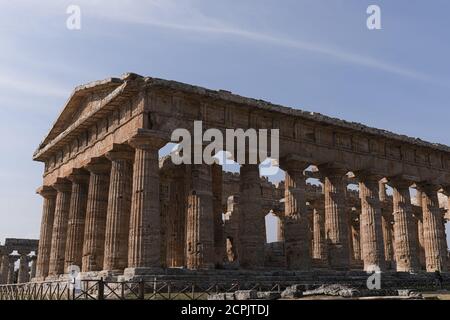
(141, 292)
(101, 290)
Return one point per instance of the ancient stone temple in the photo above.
(22, 250)
(113, 207)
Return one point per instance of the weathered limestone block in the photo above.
(77, 216)
(433, 230)
(45, 240)
(297, 232)
(252, 234)
(371, 223)
(59, 233)
(118, 212)
(95, 225)
(405, 235)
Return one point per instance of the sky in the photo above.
(308, 54)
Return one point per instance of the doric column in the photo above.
(297, 232)
(145, 224)
(336, 223)
(319, 247)
(433, 230)
(356, 238)
(4, 269)
(404, 234)
(59, 233)
(45, 239)
(219, 240)
(95, 224)
(252, 234)
(371, 222)
(23, 273)
(200, 219)
(176, 217)
(420, 238)
(118, 212)
(33, 260)
(386, 225)
(12, 262)
(77, 216)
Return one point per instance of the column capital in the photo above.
(120, 152)
(62, 185)
(98, 165)
(148, 139)
(46, 192)
(367, 175)
(332, 170)
(79, 176)
(294, 162)
(401, 181)
(428, 186)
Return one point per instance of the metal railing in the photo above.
(126, 290)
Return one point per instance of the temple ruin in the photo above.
(25, 252)
(113, 207)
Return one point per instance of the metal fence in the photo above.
(115, 290)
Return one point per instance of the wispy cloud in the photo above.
(172, 15)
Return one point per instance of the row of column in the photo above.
(104, 216)
(25, 271)
(339, 242)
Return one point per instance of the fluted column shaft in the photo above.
(252, 228)
(145, 225)
(433, 230)
(45, 239)
(176, 221)
(219, 240)
(200, 252)
(12, 261)
(4, 269)
(404, 234)
(77, 217)
(336, 222)
(319, 251)
(356, 241)
(59, 233)
(118, 211)
(297, 232)
(371, 224)
(95, 224)
(386, 225)
(23, 273)
(33, 267)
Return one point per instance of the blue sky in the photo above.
(310, 54)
